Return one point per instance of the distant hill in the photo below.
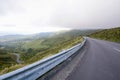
(17, 37)
(112, 34)
(28, 40)
(43, 34)
(11, 37)
(12, 40)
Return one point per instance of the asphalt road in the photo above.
(101, 61)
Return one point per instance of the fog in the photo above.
(33, 16)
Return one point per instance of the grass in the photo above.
(11, 68)
(7, 60)
(56, 49)
(108, 34)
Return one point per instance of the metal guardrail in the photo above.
(37, 69)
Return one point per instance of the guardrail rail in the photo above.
(37, 69)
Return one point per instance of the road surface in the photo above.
(101, 61)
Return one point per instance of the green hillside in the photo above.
(45, 45)
(48, 42)
(56, 48)
(37, 49)
(6, 59)
(108, 34)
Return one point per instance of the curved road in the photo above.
(101, 61)
(17, 58)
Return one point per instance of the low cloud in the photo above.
(79, 14)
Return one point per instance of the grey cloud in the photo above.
(100, 14)
(7, 6)
(70, 13)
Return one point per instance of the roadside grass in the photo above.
(11, 68)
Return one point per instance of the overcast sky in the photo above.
(33, 16)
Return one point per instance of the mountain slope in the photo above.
(112, 34)
(36, 49)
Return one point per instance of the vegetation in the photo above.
(55, 49)
(11, 68)
(108, 34)
(36, 49)
(6, 59)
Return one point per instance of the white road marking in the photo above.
(118, 50)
